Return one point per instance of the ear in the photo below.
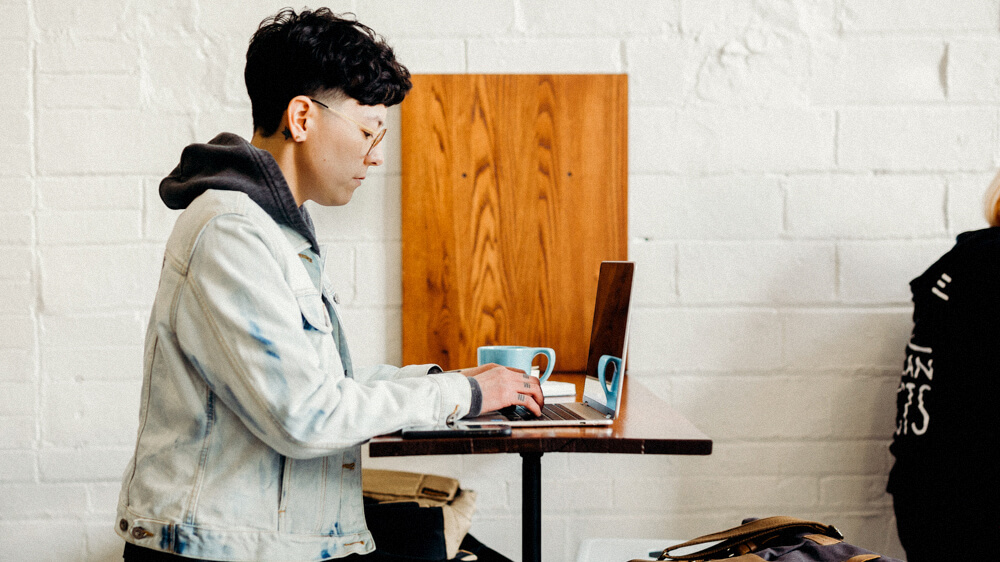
(298, 115)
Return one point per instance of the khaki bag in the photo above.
(423, 516)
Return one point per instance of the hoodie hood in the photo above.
(230, 163)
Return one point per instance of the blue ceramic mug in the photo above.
(517, 357)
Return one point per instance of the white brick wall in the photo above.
(792, 165)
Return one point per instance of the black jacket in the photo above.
(946, 427)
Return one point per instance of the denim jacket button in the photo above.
(140, 533)
(336, 298)
(123, 525)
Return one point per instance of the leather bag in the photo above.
(782, 539)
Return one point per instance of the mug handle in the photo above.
(610, 390)
(549, 353)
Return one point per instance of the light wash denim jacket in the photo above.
(252, 417)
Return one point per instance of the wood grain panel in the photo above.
(514, 191)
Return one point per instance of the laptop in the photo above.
(608, 349)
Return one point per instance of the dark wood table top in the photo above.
(646, 425)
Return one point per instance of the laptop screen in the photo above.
(609, 333)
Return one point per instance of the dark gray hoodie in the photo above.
(230, 163)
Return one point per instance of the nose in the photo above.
(375, 156)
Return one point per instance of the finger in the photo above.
(528, 401)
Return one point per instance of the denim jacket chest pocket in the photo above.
(317, 326)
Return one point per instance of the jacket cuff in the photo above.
(476, 406)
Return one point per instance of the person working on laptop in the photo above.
(252, 412)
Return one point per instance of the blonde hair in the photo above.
(991, 207)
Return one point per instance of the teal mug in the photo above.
(517, 357)
(613, 383)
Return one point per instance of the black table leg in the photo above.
(531, 507)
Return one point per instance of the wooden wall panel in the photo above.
(514, 191)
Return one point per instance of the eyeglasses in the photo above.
(376, 134)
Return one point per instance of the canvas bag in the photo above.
(784, 539)
(414, 515)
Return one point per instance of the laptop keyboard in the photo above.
(549, 412)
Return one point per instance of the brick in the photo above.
(340, 268)
(704, 339)
(16, 194)
(379, 277)
(602, 18)
(102, 497)
(655, 281)
(872, 399)
(718, 493)
(810, 18)
(755, 272)
(89, 193)
(973, 74)
(129, 142)
(45, 540)
(16, 56)
(659, 69)
(14, 21)
(17, 432)
(92, 363)
(375, 335)
(542, 56)
(16, 365)
(89, 91)
(17, 90)
(23, 501)
(431, 56)
(15, 228)
(79, 279)
(120, 329)
(966, 193)
(223, 119)
(91, 413)
(182, 71)
(880, 272)
(797, 458)
(920, 15)
(89, 227)
(87, 19)
(403, 18)
(865, 206)
(757, 398)
(17, 161)
(738, 207)
(846, 338)
(854, 492)
(15, 261)
(731, 140)
(238, 18)
(883, 70)
(70, 55)
(917, 139)
(16, 126)
(17, 466)
(373, 213)
(17, 332)
(18, 296)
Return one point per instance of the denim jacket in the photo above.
(252, 415)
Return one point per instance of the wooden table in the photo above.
(646, 426)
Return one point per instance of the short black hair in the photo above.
(318, 52)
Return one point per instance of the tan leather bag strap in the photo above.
(740, 540)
